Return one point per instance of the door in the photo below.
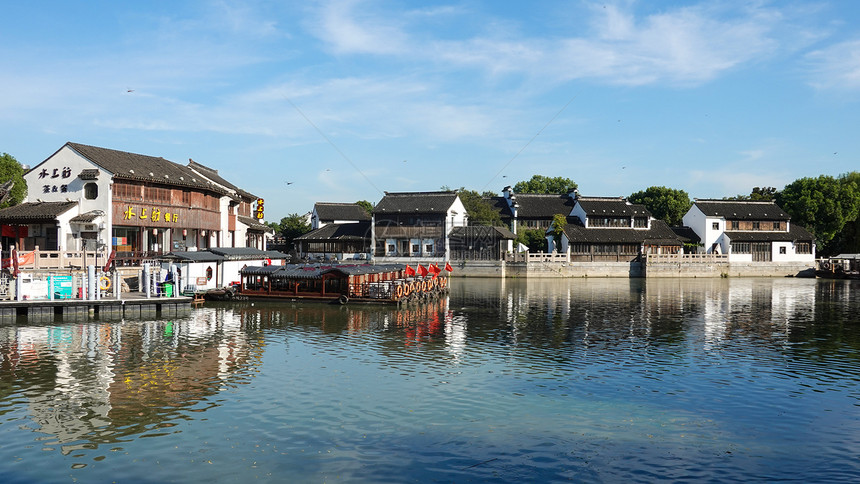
(761, 252)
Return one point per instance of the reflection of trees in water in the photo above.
(834, 328)
(106, 382)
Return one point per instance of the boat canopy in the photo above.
(316, 272)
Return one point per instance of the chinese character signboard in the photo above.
(55, 180)
(259, 212)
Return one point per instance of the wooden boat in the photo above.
(843, 266)
(386, 283)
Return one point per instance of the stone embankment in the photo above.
(652, 267)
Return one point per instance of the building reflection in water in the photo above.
(97, 383)
(609, 311)
(90, 384)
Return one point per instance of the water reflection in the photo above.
(98, 383)
(505, 380)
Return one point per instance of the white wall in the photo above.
(578, 211)
(67, 165)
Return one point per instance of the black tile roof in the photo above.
(796, 232)
(415, 202)
(611, 207)
(658, 233)
(133, 166)
(534, 206)
(686, 234)
(213, 175)
(193, 256)
(35, 212)
(253, 224)
(741, 210)
(350, 231)
(241, 253)
(480, 231)
(328, 211)
(305, 271)
(87, 217)
(89, 174)
(500, 204)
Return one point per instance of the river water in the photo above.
(584, 380)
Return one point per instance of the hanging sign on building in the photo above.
(153, 214)
(259, 212)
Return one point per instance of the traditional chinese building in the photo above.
(89, 198)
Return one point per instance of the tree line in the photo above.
(828, 206)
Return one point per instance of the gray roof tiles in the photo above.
(329, 211)
(659, 232)
(34, 212)
(350, 231)
(535, 206)
(415, 202)
(741, 210)
(133, 166)
(611, 207)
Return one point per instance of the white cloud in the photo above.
(836, 66)
(349, 32)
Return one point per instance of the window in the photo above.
(756, 225)
(802, 248)
(776, 226)
(715, 226)
(428, 248)
(156, 194)
(736, 225)
(126, 191)
(640, 222)
(782, 250)
(580, 248)
(415, 248)
(392, 248)
(91, 191)
(741, 248)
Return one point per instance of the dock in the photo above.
(129, 306)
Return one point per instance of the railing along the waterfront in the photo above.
(63, 259)
(537, 257)
(79, 259)
(688, 257)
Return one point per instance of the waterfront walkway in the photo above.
(134, 305)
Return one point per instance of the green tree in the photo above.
(367, 206)
(758, 194)
(667, 204)
(824, 205)
(11, 170)
(559, 221)
(480, 211)
(292, 226)
(534, 239)
(546, 185)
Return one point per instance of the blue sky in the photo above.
(346, 99)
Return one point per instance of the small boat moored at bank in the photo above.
(842, 266)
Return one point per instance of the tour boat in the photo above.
(384, 283)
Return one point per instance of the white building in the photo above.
(749, 231)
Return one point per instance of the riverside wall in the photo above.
(660, 269)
